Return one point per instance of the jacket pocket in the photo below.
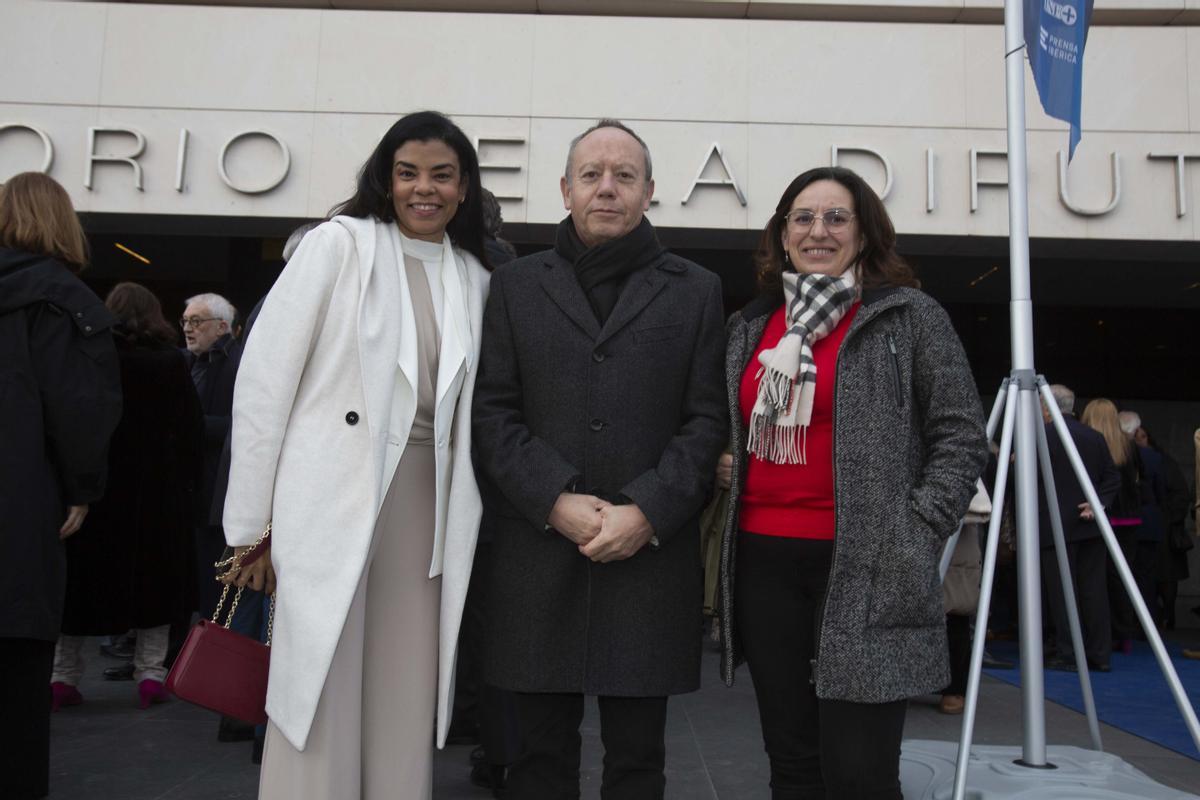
(657, 333)
(894, 357)
(906, 591)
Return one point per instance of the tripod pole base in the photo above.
(927, 773)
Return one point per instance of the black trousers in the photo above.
(818, 748)
(1142, 557)
(958, 638)
(631, 728)
(25, 666)
(1088, 560)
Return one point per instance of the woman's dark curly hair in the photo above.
(879, 264)
(371, 195)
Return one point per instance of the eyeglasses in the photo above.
(195, 322)
(835, 219)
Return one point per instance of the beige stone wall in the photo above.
(776, 95)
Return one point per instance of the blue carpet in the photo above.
(1133, 697)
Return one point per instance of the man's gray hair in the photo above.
(608, 122)
(293, 240)
(1064, 397)
(1129, 421)
(218, 306)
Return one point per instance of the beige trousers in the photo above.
(372, 737)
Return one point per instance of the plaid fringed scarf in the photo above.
(814, 305)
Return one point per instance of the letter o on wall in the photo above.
(47, 145)
(268, 185)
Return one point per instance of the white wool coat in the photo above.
(312, 453)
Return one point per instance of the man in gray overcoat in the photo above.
(599, 415)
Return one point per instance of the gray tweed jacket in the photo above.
(908, 446)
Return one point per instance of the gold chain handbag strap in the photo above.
(216, 617)
(232, 564)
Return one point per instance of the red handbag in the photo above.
(222, 670)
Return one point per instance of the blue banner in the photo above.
(1055, 35)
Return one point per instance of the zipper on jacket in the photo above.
(891, 345)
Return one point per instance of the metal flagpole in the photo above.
(1028, 415)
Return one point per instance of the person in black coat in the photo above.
(211, 358)
(61, 396)
(1172, 554)
(1086, 552)
(130, 566)
(599, 416)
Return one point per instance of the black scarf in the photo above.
(602, 270)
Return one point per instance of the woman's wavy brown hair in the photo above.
(36, 215)
(879, 263)
(140, 313)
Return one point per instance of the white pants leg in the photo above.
(150, 653)
(68, 660)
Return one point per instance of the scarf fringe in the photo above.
(776, 388)
(779, 444)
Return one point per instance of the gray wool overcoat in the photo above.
(635, 409)
(908, 446)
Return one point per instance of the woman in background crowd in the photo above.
(1125, 516)
(61, 395)
(351, 437)
(130, 566)
(857, 440)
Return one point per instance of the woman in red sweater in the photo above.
(857, 439)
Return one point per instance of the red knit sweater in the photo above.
(794, 500)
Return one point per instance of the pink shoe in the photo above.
(63, 694)
(151, 691)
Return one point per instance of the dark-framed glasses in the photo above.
(194, 322)
(835, 219)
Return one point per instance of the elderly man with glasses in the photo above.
(207, 324)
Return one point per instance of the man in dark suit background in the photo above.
(599, 414)
(207, 324)
(1086, 552)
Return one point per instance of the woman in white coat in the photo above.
(351, 436)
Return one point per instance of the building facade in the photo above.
(198, 136)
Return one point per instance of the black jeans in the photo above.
(818, 749)
(25, 666)
(632, 729)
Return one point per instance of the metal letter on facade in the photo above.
(131, 159)
(269, 185)
(887, 165)
(1181, 192)
(181, 159)
(498, 166)
(1064, 196)
(976, 181)
(729, 181)
(47, 145)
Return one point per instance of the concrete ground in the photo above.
(107, 749)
